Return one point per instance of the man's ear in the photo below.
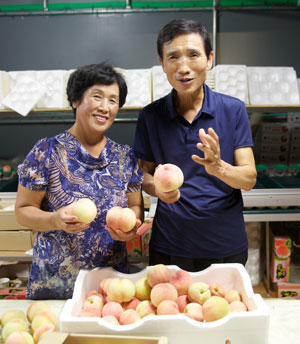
(162, 63)
(210, 60)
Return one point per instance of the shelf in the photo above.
(272, 108)
(271, 197)
(270, 215)
(55, 116)
(15, 256)
(126, 114)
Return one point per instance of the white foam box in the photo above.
(139, 87)
(273, 86)
(4, 87)
(54, 82)
(240, 327)
(160, 84)
(232, 80)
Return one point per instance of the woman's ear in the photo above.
(75, 104)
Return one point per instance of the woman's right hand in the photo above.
(68, 223)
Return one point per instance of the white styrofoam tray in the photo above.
(243, 327)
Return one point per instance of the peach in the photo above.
(182, 301)
(41, 330)
(120, 290)
(13, 326)
(168, 177)
(217, 289)
(142, 289)
(131, 304)
(167, 307)
(12, 314)
(194, 311)
(112, 308)
(46, 317)
(19, 337)
(237, 306)
(35, 308)
(103, 286)
(232, 295)
(93, 304)
(146, 308)
(159, 273)
(163, 291)
(215, 308)
(94, 292)
(85, 210)
(199, 292)
(181, 280)
(129, 316)
(123, 219)
(111, 319)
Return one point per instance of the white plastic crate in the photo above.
(241, 327)
(4, 87)
(24, 92)
(273, 86)
(54, 82)
(160, 84)
(232, 80)
(139, 87)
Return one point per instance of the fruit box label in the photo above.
(138, 246)
(290, 290)
(281, 259)
(13, 293)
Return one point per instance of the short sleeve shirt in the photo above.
(63, 169)
(207, 221)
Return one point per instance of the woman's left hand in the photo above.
(119, 235)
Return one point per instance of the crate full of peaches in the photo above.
(167, 301)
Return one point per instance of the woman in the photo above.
(79, 163)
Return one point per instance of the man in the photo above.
(206, 134)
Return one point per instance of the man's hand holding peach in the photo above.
(167, 180)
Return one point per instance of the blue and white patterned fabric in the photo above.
(63, 169)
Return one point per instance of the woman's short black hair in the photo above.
(85, 77)
(178, 27)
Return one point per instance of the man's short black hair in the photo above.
(178, 27)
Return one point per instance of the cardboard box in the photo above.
(138, 246)
(7, 217)
(237, 327)
(16, 240)
(281, 258)
(66, 338)
(13, 293)
(288, 290)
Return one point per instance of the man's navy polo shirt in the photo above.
(207, 221)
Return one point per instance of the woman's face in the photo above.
(98, 107)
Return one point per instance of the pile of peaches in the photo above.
(21, 328)
(121, 301)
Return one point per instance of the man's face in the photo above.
(185, 63)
